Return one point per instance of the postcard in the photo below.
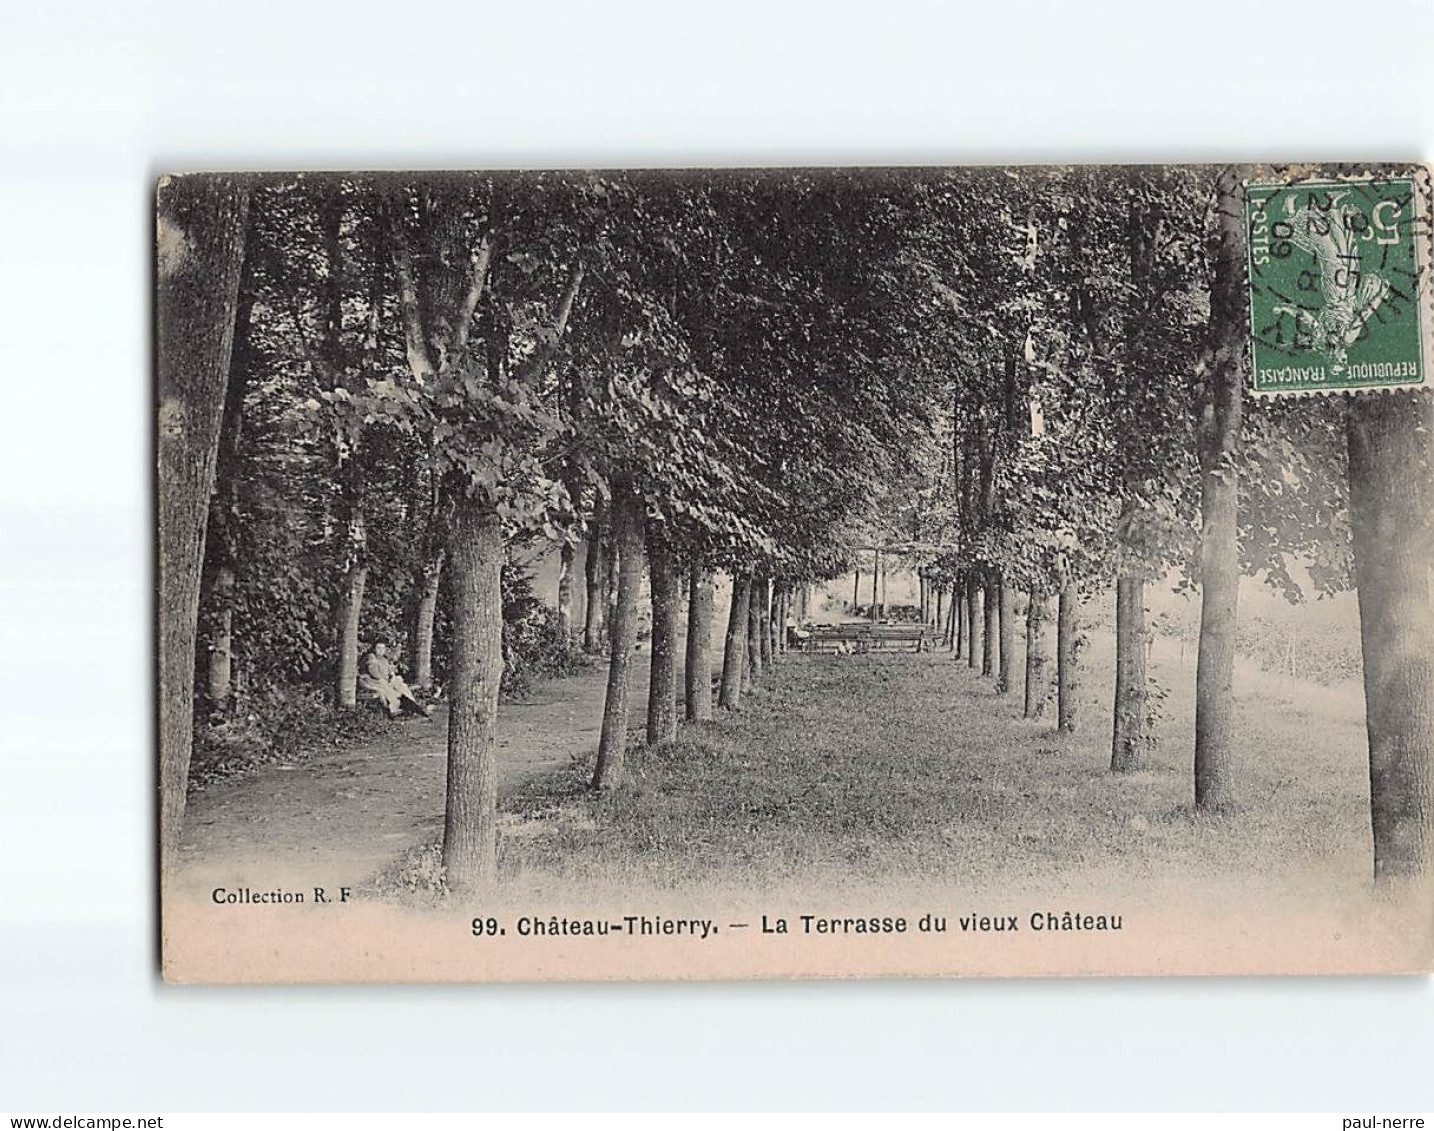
(791, 573)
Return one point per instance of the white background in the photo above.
(95, 99)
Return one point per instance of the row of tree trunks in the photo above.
(756, 631)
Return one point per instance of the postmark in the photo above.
(1338, 272)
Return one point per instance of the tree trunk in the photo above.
(757, 630)
(224, 508)
(1129, 739)
(219, 683)
(1389, 489)
(349, 614)
(942, 624)
(610, 579)
(856, 591)
(628, 515)
(734, 652)
(200, 226)
(958, 614)
(974, 620)
(565, 592)
(779, 596)
(1006, 618)
(470, 819)
(425, 608)
(698, 672)
(779, 640)
(1036, 690)
(1066, 675)
(596, 583)
(1219, 434)
(991, 640)
(876, 587)
(662, 687)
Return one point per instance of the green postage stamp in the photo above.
(1338, 285)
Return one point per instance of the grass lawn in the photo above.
(871, 772)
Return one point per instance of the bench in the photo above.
(864, 636)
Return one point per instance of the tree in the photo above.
(483, 412)
(1219, 439)
(1067, 645)
(1037, 685)
(612, 746)
(1389, 491)
(662, 688)
(224, 511)
(698, 670)
(199, 246)
(734, 652)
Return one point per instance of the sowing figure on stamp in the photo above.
(1351, 292)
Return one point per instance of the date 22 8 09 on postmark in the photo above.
(1338, 285)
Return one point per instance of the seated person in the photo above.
(380, 678)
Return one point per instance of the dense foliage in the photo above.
(1000, 366)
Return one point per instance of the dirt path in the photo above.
(338, 818)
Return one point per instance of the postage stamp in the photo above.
(1338, 285)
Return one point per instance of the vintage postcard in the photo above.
(795, 573)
